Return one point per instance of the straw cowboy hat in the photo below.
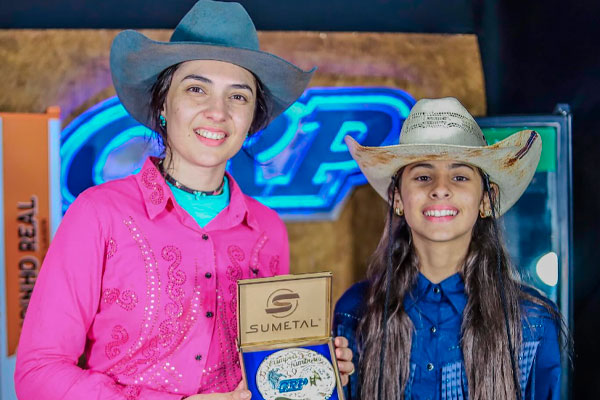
(211, 30)
(442, 129)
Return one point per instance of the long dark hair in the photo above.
(485, 344)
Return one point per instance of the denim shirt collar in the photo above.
(452, 288)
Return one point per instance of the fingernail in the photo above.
(245, 395)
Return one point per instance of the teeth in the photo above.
(440, 213)
(209, 134)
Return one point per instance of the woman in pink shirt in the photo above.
(141, 275)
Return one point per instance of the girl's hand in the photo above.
(239, 393)
(344, 359)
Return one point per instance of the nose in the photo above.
(440, 190)
(216, 109)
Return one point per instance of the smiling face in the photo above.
(441, 201)
(209, 108)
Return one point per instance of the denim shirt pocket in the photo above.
(454, 381)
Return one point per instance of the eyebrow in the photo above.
(452, 166)
(422, 165)
(206, 80)
(459, 165)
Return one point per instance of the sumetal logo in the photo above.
(282, 303)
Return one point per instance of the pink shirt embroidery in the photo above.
(149, 296)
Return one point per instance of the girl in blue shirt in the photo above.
(442, 314)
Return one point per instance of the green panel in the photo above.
(548, 134)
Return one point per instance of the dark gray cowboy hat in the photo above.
(211, 30)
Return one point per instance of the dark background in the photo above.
(535, 54)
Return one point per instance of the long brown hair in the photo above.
(485, 344)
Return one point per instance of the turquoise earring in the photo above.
(163, 121)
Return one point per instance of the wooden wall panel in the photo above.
(69, 68)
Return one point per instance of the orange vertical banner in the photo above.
(30, 168)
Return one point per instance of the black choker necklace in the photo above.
(197, 193)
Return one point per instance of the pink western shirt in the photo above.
(135, 284)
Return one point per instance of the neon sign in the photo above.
(299, 166)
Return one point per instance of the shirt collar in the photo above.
(452, 288)
(157, 194)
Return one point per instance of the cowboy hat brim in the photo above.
(510, 163)
(136, 61)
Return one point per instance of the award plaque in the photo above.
(284, 338)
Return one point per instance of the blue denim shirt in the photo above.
(437, 369)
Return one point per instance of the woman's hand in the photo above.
(239, 393)
(344, 359)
